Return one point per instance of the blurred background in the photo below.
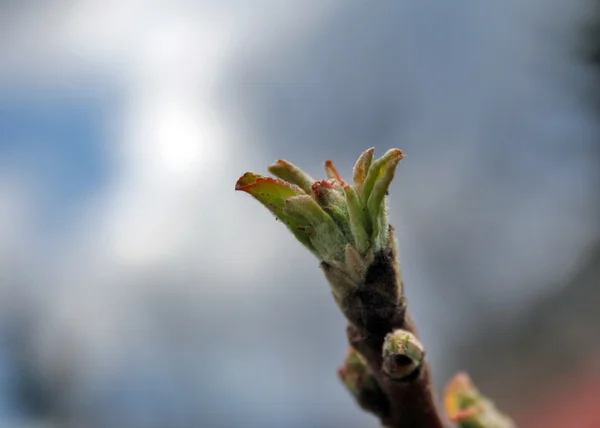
(138, 290)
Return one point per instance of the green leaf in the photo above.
(362, 165)
(327, 238)
(330, 197)
(377, 169)
(332, 173)
(273, 193)
(468, 408)
(291, 173)
(357, 219)
(378, 181)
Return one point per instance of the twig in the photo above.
(346, 228)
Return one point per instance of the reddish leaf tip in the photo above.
(244, 180)
(250, 180)
(460, 382)
(332, 172)
(467, 413)
(396, 154)
(461, 379)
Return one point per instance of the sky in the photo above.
(146, 292)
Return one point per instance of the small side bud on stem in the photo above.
(361, 383)
(469, 409)
(402, 354)
(355, 373)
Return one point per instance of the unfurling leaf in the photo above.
(329, 215)
(469, 409)
(289, 172)
(362, 165)
(273, 193)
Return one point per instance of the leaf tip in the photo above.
(332, 172)
(244, 181)
(275, 166)
(397, 154)
(362, 165)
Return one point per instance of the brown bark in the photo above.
(373, 311)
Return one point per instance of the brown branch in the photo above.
(346, 227)
(375, 310)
